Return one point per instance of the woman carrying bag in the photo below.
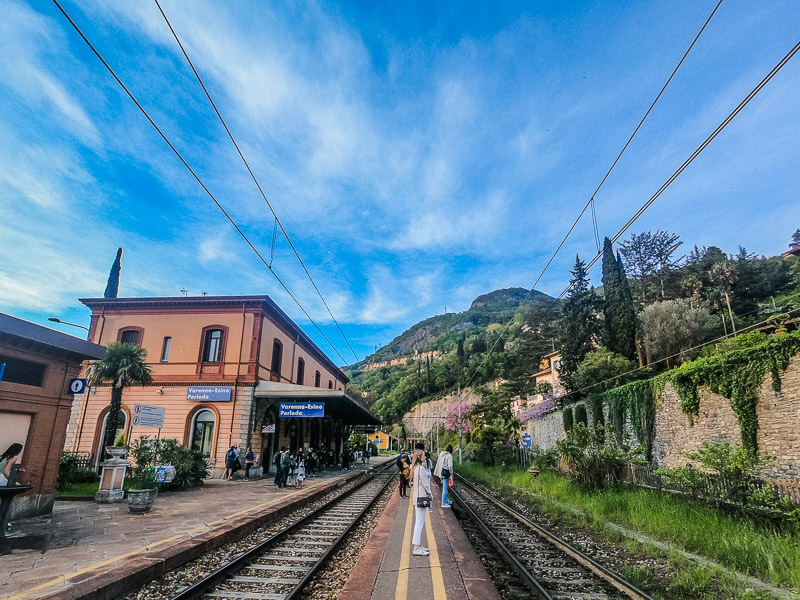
(421, 497)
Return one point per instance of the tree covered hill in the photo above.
(441, 332)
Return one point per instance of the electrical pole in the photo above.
(460, 430)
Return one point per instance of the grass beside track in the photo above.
(734, 541)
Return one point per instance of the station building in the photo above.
(37, 367)
(223, 366)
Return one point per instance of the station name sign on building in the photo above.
(302, 409)
(208, 393)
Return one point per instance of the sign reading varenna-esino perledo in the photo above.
(208, 393)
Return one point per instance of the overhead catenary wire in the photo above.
(725, 122)
(253, 176)
(591, 201)
(194, 174)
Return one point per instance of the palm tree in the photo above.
(124, 365)
(723, 275)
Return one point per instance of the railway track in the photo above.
(282, 565)
(549, 567)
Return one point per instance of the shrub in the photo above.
(591, 462)
(70, 472)
(567, 419)
(191, 468)
(545, 460)
(580, 415)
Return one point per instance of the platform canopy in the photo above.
(339, 404)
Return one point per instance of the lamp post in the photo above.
(59, 321)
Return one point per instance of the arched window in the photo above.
(330, 384)
(131, 335)
(212, 346)
(203, 432)
(317, 378)
(301, 371)
(121, 430)
(277, 357)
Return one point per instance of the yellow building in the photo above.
(382, 440)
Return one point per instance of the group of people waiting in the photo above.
(294, 468)
(415, 471)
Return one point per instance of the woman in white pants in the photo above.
(421, 476)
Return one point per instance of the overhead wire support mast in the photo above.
(194, 174)
(253, 176)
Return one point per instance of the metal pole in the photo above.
(459, 426)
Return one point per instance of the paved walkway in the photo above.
(452, 571)
(84, 545)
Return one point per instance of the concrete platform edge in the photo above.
(107, 583)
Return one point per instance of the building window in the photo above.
(203, 432)
(301, 371)
(131, 335)
(330, 384)
(165, 349)
(23, 372)
(317, 378)
(212, 350)
(277, 357)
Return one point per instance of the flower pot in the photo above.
(141, 501)
(117, 451)
(534, 473)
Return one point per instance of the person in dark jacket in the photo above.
(249, 461)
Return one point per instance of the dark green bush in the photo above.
(70, 472)
(191, 468)
(567, 418)
(580, 415)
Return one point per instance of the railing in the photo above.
(83, 460)
(709, 485)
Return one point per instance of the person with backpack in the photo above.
(286, 467)
(311, 462)
(230, 463)
(404, 467)
(444, 471)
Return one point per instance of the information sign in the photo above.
(364, 429)
(526, 439)
(77, 386)
(302, 409)
(268, 428)
(208, 393)
(148, 416)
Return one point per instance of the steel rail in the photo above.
(220, 574)
(599, 570)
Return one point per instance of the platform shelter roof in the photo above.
(339, 404)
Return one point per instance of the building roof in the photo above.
(263, 302)
(49, 340)
(338, 403)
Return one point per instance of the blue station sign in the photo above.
(209, 393)
(302, 409)
(526, 439)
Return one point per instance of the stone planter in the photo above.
(141, 501)
(117, 451)
(534, 474)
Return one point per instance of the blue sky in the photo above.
(418, 156)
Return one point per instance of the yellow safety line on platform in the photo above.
(65, 578)
(439, 592)
(401, 591)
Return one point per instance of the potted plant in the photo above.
(143, 493)
(119, 449)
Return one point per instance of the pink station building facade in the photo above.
(222, 366)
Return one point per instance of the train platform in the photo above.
(453, 570)
(89, 550)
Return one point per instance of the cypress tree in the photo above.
(112, 287)
(578, 326)
(620, 316)
(460, 350)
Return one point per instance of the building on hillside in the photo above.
(37, 367)
(222, 368)
(548, 373)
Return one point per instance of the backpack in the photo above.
(230, 455)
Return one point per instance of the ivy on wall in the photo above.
(736, 375)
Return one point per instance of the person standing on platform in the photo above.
(444, 471)
(276, 460)
(286, 465)
(346, 459)
(7, 460)
(300, 477)
(421, 499)
(230, 463)
(405, 472)
(249, 461)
